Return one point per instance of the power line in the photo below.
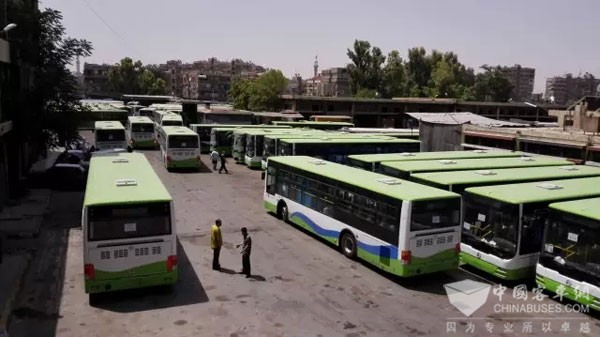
(110, 27)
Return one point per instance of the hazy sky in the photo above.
(553, 36)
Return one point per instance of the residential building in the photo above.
(206, 86)
(567, 89)
(522, 80)
(334, 82)
(95, 80)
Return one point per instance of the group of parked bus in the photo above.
(511, 216)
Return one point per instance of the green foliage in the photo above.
(49, 106)
(261, 94)
(131, 77)
(436, 74)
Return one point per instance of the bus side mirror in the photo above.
(262, 175)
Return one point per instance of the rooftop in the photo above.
(473, 164)
(411, 156)
(589, 208)
(460, 118)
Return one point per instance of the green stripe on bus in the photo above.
(152, 274)
(185, 163)
(505, 274)
(569, 292)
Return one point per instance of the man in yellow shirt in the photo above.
(216, 241)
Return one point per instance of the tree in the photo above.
(366, 93)
(419, 72)
(394, 76)
(131, 77)
(365, 71)
(50, 109)
(261, 94)
(492, 85)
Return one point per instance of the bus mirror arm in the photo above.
(262, 175)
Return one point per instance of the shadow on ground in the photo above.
(188, 290)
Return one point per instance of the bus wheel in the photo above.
(283, 212)
(348, 245)
(93, 299)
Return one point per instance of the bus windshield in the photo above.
(110, 135)
(142, 127)
(146, 113)
(491, 226)
(114, 222)
(572, 246)
(183, 142)
(250, 146)
(434, 214)
(172, 123)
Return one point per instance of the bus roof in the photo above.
(588, 208)
(247, 126)
(106, 171)
(331, 135)
(139, 119)
(473, 164)
(378, 183)
(540, 191)
(108, 125)
(384, 157)
(509, 174)
(171, 117)
(327, 139)
(178, 130)
(308, 123)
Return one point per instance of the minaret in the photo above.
(316, 71)
(78, 66)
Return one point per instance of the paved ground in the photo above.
(301, 287)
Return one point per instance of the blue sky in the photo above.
(553, 36)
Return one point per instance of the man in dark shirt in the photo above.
(246, 249)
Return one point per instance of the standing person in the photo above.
(246, 249)
(223, 161)
(214, 157)
(216, 242)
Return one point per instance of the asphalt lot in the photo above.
(300, 287)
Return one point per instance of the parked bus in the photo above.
(179, 147)
(140, 132)
(331, 118)
(315, 125)
(146, 112)
(205, 132)
(402, 133)
(405, 169)
(398, 226)
(569, 262)
(129, 238)
(171, 119)
(503, 225)
(458, 181)
(371, 162)
(109, 135)
(157, 116)
(337, 150)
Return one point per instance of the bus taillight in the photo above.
(171, 262)
(457, 248)
(405, 256)
(89, 271)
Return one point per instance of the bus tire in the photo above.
(283, 212)
(348, 245)
(93, 299)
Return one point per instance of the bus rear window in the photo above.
(172, 123)
(110, 135)
(432, 214)
(183, 142)
(142, 127)
(128, 221)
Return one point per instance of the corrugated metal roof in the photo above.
(460, 118)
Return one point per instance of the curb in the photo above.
(15, 288)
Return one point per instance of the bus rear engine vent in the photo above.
(121, 160)
(389, 181)
(407, 154)
(126, 182)
(447, 161)
(317, 162)
(549, 186)
(479, 151)
(569, 168)
(527, 159)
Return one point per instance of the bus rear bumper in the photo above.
(501, 273)
(108, 285)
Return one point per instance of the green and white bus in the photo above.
(171, 119)
(503, 225)
(109, 135)
(205, 133)
(398, 226)
(401, 133)
(315, 125)
(371, 162)
(146, 112)
(129, 238)
(405, 169)
(179, 147)
(140, 132)
(337, 150)
(458, 181)
(569, 262)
